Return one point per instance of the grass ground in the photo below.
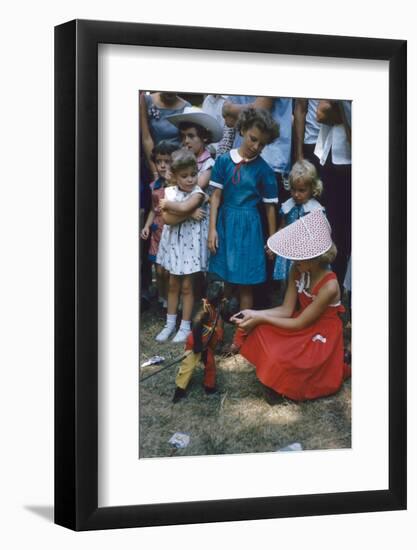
(235, 420)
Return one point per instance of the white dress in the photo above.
(183, 247)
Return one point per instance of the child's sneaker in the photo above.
(181, 335)
(165, 333)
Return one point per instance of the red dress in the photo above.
(300, 364)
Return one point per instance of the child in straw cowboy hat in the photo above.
(298, 352)
(197, 130)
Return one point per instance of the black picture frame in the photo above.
(76, 271)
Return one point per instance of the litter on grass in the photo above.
(292, 447)
(179, 440)
(153, 361)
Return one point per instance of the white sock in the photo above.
(186, 325)
(171, 319)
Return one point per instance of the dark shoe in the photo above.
(210, 391)
(272, 397)
(179, 394)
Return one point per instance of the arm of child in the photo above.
(149, 221)
(262, 102)
(173, 219)
(213, 240)
(147, 140)
(326, 296)
(249, 318)
(184, 207)
(286, 310)
(174, 212)
(204, 178)
(328, 112)
(300, 112)
(271, 217)
(231, 111)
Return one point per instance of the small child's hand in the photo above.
(198, 214)
(269, 253)
(145, 233)
(162, 203)
(213, 241)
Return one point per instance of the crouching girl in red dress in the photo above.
(297, 348)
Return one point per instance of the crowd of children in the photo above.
(214, 213)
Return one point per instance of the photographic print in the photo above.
(243, 350)
(245, 286)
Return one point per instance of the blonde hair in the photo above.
(303, 169)
(328, 257)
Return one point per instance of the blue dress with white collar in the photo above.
(240, 257)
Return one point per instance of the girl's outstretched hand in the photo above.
(247, 319)
(213, 241)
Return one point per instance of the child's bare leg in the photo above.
(174, 287)
(158, 270)
(187, 309)
(165, 282)
(173, 294)
(246, 297)
(162, 277)
(246, 302)
(187, 297)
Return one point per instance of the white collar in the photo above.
(309, 206)
(235, 156)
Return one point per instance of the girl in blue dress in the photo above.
(305, 187)
(241, 180)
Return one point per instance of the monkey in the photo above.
(206, 333)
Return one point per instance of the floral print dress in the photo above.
(183, 247)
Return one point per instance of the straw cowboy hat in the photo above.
(305, 239)
(197, 116)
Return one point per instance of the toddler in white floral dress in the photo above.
(183, 246)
